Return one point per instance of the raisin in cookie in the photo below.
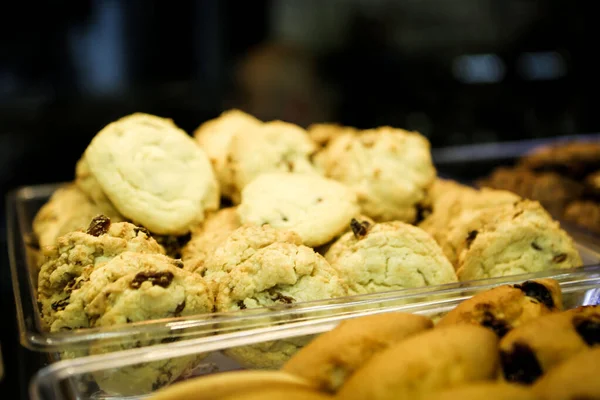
(508, 306)
(65, 261)
(322, 134)
(329, 360)
(153, 173)
(536, 347)
(281, 273)
(316, 208)
(389, 256)
(239, 246)
(576, 378)
(68, 210)
(215, 137)
(388, 169)
(431, 361)
(133, 287)
(208, 237)
(510, 239)
(274, 146)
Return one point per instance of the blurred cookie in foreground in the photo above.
(508, 306)
(485, 390)
(576, 378)
(553, 191)
(573, 159)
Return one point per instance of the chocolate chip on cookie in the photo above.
(520, 364)
(537, 291)
(162, 279)
(588, 328)
(360, 229)
(99, 226)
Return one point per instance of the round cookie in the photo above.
(508, 240)
(316, 208)
(215, 137)
(329, 360)
(75, 251)
(274, 146)
(431, 361)
(239, 246)
(219, 386)
(536, 347)
(153, 173)
(68, 210)
(452, 203)
(574, 159)
(485, 390)
(88, 184)
(133, 287)
(389, 256)
(388, 169)
(208, 237)
(322, 134)
(508, 306)
(584, 213)
(553, 191)
(576, 378)
(281, 273)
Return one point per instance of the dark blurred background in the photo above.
(459, 71)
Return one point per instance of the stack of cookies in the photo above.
(563, 177)
(510, 342)
(254, 214)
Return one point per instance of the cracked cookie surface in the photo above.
(389, 256)
(388, 169)
(153, 173)
(510, 239)
(316, 208)
(66, 261)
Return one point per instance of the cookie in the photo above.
(278, 274)
(389, 256)
(553, 191)
(240, 245)
(388, 169)
(508, 306)
(67, 210)
(584, 213)
(88, 184)
(236, 383)
(329, 360)
(316, 208)
(153, 173)
(452, 203)
(65, 261)
(576, 378)
(322, 134)
(536, 347)
(485, 390)
(133, 287)
(274, 146)
(592, 185)
(280, 393)
(208, 237)
(431, 361)
(215, 137)
(574, 159)
(508, 240)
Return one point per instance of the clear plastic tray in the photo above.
(109, 375)
(24, 203)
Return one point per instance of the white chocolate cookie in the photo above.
(153, 173)
(208, 237)
(68, 210)
(274, 146)
(389, 256)
(215, 136)
(388, 169)
(316, 208)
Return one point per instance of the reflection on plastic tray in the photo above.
(109, 375)
(24, 204)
